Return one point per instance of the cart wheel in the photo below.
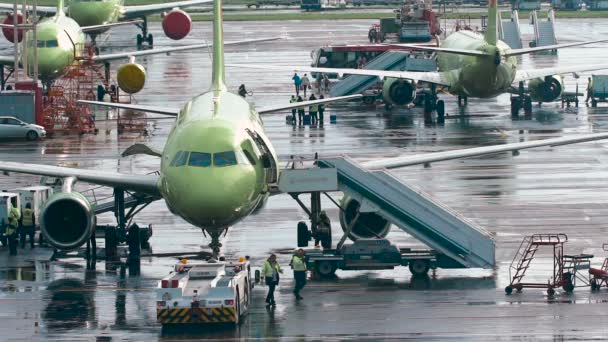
(257, 276)
(508, 290)
(326, 269)
(568, 287)
(594, 285)
(419, 267)
(550, 291)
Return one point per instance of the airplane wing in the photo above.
(121, 55)
(430, 77)
(8, 8)
(307, 103)
(427, 158)
(150, 109)
(93, 28)
(140, 183)
(142, 10)
(524, 75)
(517, 52)
(440, 49)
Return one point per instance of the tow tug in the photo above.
(208, 292)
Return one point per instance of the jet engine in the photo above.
(8, 32)
(177, 24)
(131, 77)
(547, 89)
(398, 92)
(368, 225)
(67, 220)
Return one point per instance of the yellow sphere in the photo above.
(131, 77)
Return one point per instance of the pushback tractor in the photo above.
(201, 293)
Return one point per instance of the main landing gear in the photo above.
(431, 104)
(144, 37)
(521, 101)
(319, 231)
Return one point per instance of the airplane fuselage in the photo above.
(91, 13)
(476, 76)
(212, 169)
(60, 40)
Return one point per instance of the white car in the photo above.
(11, 127)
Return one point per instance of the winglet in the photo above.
(218, 78)
(491, 35)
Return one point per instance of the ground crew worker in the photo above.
(270, 271)
(312, 110)
(298, 264)
(305, 84)
(321, 110)
(293, 110)
(28, 225)
(297, 82)
(589, 90)
(11, 231)
(301, 111)
(242, 91)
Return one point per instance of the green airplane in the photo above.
(61, 41)
(217, 166)
(469, 65)
(103, 14)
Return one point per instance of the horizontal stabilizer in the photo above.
(141, 149)
(308, 103)
(149, 109)
(444, 50)
(524, 51)
(524, 75)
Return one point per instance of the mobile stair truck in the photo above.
(206, 292)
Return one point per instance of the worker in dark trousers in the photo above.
(11, 231)
(301, 111)
(271, 270)
(313, 110)
(589, 90)
(294, 110)
(28, 226)
(298, 264)
(321, 110)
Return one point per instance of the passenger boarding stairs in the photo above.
(390, 60)
(544, 31)
(510, 32)
(457, 242)
(528, 248)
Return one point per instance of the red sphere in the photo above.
(9, 32)
(177, 24)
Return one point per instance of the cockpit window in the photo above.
(199, 159)
(227, 158)
(52, 43)
(45, 43)
(180, 159)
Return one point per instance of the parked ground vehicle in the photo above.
(11, 127)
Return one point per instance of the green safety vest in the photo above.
(13, 217)
(298, 264)
(28, 217)
(267, 269)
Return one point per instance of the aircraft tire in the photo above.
(528, 105)
(440, 111)
(140, 40)
(150, 39)
(303, 234)
(514, 107)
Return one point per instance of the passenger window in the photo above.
(227, 158)
(13, 122)
(199, 159)
(52, 43)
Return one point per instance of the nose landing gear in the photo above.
(144, 37)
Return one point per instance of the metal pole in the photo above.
(35, 46)
(24, 52)
(15, 41)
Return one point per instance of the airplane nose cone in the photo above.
(51, 62)
(211, 196)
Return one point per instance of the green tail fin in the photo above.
(491, 35)
(218, 79)
(60, 5)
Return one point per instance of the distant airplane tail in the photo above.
(491, 35)
(218, 78)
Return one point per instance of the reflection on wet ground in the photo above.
(546, 190)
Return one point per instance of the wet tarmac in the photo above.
(546, 190)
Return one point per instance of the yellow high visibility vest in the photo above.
(28, 217)
(13, 217)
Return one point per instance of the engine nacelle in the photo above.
(131, 77)
(67, 220)
(368, 225)
(177, 24)
(398, 92)
(9, 32)
(547, 89)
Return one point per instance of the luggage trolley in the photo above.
(560, 276)
(599, 277)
